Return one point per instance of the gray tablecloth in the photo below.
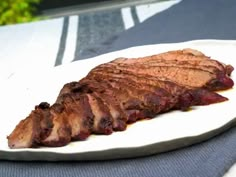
(187, 20)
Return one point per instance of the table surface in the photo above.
(58, 41)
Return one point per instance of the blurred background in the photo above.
(21, 11)
(18, 11)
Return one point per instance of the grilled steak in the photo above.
(123, 91)
(35, 128)
(79, 115)
(183, 75)
(163, 88)
(26, 133)
(185, 55)
(60, 134)
(117, 114)
(102, 120)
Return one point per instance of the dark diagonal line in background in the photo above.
(76, 54)
(62, 43)
(134, 15)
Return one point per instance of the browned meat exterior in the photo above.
(30, 131)
(102, 118)
(79, 115)
(61, 131)
(164, 88)
(118, 116)
(192, 66)
(180, 55)
(186, 75)
(185, 55)
(123, 91)
(26, 133)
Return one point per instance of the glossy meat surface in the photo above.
(123, 91)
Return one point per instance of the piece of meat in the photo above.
(61, 131)
(228, 69)
(118, 115)
(186, 76)
(172, 92)
(79, 115)
(26, 133)
(46, 121)
(181, 55)
(102, 118)
(154, 100)
(141, 79)
(66, 89)
(123, 91)
(124, 99)
(30, 131)
(208, 65)
(132, 103)
(119, 118)
(185, 55)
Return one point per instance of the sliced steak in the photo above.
(121, 92)
(30, 131)
(27, 133)
(185, 55)
(61, 131)
(46, 121)
(119, 118)
(132, 106)
(102, 119)
(186, 96)
(185, 76)
(79, 115)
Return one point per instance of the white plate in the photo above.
(22, 91)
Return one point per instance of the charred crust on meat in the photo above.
(121, 92)
(43, 105)
(105, 124)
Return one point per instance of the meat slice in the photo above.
(153, 100)
(61, 131)
(66, 89)
(143, 80)
(212, 66)
(185, 55)
(181, 55)
(186, 76)
(30, 131)
(119, 118)
(46, 121)
(26, 133)
(178, 55)
(102, 119)
(186, 96)
(79, 115)
(131, 106)
(147, 99)
(206, 65)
